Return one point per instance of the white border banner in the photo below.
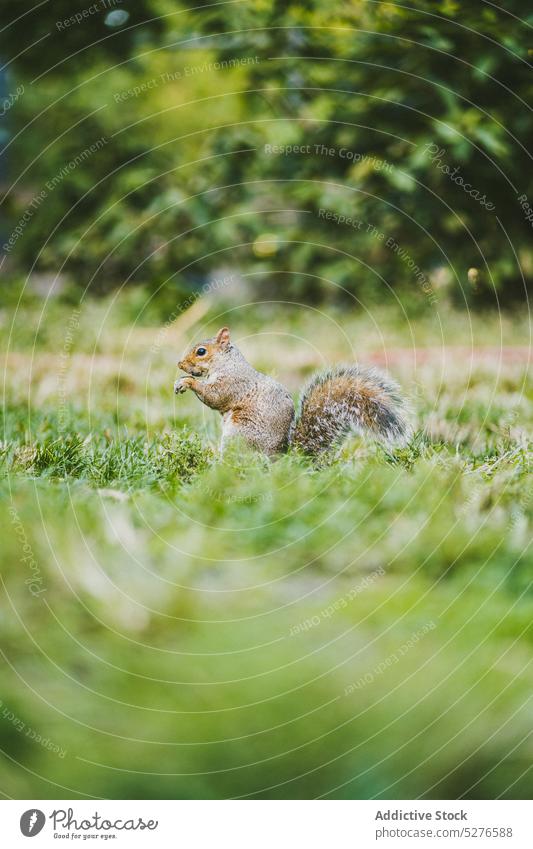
(267, 824)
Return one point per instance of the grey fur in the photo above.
(253, 405)
(370, 403)
(259, 409)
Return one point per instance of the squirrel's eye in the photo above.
(201, 352)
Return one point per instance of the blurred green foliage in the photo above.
(391, 106)
(53, 38)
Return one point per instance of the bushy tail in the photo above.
(349, 399)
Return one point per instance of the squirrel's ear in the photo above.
(222, 337)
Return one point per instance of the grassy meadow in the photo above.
(179, 625)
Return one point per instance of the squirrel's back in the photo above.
(263, 415)
(349, 399)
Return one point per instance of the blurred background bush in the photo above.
(394, 106)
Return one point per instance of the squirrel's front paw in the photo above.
(182, 384)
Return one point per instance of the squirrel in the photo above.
(256, 407)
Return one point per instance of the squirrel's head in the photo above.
(203, 356)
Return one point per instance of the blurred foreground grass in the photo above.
(174, 625)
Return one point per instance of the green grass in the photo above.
(207, 627)
(128, 462)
